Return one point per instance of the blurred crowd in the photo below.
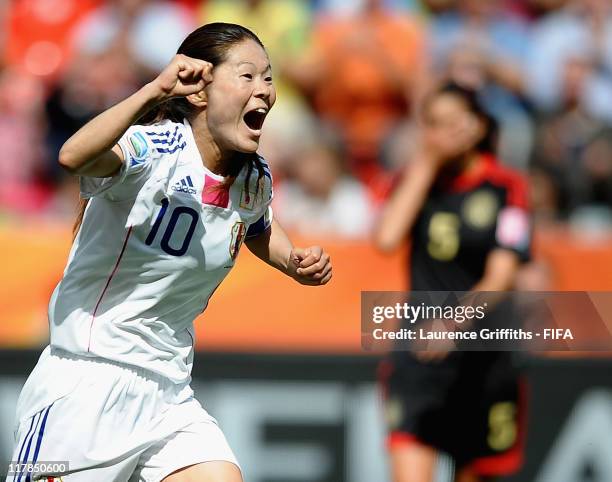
(350, 75)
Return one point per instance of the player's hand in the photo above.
(183, 76)
(443, 147)
(310, 266)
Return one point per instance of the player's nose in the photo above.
(263, 90)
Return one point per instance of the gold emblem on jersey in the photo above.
(238, 235)
(480, 209)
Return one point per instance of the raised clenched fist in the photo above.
(183, 76)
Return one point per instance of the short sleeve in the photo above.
(264, 221)
(261, 225)
(514, 226)
(138, 154)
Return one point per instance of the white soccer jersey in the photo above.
(156, 241)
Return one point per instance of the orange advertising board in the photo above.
(257, 309)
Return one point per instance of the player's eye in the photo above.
(247, 76)
(268, 78)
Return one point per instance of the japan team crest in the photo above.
(238, 235)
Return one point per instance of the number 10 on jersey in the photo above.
(177, 212)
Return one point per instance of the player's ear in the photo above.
(199, 99)
(481, 129)
(477, 127)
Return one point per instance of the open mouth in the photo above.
(254, 119)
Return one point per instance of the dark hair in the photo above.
(473, 102)
(210, 42)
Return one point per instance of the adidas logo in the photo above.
(184, 185)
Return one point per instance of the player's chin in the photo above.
(248, 141)
(247, 146)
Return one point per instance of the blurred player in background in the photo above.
(468, 221)
(169, 205)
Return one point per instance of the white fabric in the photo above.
(134, 302)
(112, 423)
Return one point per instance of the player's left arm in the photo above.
(501, 269)
(512, 249)
(308, 266)
(513, 238)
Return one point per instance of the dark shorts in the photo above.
(470, 405)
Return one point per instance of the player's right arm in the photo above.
(93, 150)
(401, 212)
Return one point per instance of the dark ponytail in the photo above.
(79, 219)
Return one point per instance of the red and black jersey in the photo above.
(465, 218)
(453, 404)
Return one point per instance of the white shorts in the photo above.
(111, 423)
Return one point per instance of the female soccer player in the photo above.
(170, 204)
(467, 217)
